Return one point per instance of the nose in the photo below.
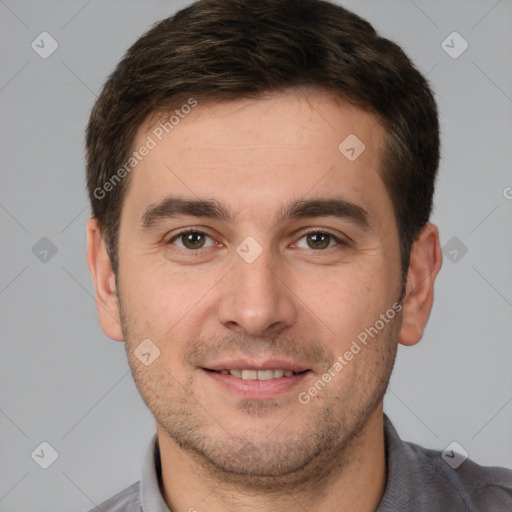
(256, 298)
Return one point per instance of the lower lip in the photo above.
(257, 389)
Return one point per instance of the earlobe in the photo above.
(104, 282)
(425, 263)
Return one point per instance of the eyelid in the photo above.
(186, 231)
(341, 240)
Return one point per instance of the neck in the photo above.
(354, 480)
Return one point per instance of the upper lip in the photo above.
(247, 364)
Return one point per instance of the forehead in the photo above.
(256, 155)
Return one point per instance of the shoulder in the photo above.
(477, 487)
(127, 500)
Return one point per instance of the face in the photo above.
(255, 253)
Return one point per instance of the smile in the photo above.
(247, 374)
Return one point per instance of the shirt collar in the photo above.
(398, 494)
(150, 494)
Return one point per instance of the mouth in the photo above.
(256, 380)
(251, 374)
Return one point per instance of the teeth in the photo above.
(265, 374)
(258, 374)
(249, 374)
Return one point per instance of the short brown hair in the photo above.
(221, 50)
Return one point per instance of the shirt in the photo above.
(418, 480)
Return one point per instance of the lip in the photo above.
(255, 389)
(266, 364)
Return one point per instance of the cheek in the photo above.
(145, 297)
(348, 300)
(160, 302)
(337, 302)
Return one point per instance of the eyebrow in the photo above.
(174, 206)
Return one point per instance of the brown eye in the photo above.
(191, 240)
(318, 240)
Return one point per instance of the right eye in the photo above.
(191, 239)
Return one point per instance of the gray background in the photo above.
(64, 382)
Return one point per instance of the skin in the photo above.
(221, 450)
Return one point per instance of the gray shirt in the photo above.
(418, 480)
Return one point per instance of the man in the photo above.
(261, 177)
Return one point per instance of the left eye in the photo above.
(191, 240)
(319, 240)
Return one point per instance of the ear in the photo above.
(104, 282)
(425, 263)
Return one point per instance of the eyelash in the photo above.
(306, 233)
